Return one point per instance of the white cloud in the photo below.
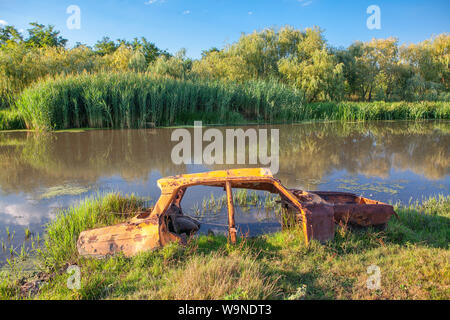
(187, 12)
(250, 13)
(149, 2)
(24, 214)
(304, 3)
(3, 23)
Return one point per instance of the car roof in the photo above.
(245, 178)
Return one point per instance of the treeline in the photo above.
(25, 60)
(365, 71)
(280, 74)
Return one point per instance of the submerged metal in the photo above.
(317, 212)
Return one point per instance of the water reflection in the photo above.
(29, 162)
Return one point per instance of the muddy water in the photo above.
(388, 161)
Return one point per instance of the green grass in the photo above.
(412, 254)
(139, 100)
(59, 246)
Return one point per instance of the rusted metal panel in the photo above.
(128, 238)
(320, 222)
(363, 215)
(357, 210)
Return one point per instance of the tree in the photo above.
(105, 46)
(44, 36)
(9, 34)
(150, 51)
(120, 59)
(320, 77)
(176, 67)
(137, 62)
(311, 67)
(373, 67)
(440, 50)
(384, 55)
(205, 53)
(259, 52)
(430, 60)
(220, 65)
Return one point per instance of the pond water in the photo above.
(391, 161)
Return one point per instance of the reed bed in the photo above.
(139, 100)
(378, 110)
(131, 100)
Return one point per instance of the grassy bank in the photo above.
(412, 254)
(137, 100)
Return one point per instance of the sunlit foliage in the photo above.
(378, 70)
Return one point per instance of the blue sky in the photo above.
(201, 24)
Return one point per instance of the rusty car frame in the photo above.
(317, 212)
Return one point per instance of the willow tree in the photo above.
(300, 58)
(430, 60)
(220, 65)
(319, 76)
(176, 67)
(312, 68)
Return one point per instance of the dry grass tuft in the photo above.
(218, 276)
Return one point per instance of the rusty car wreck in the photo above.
(317, 212)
